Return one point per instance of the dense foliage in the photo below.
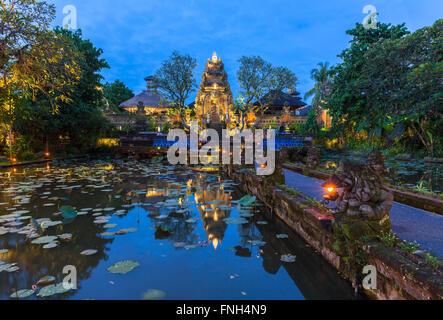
(78, 122)
(387, 91)
(34, 61)
(50, 83)
(260, 83)
(115, 93)
(175, 81)
(322, 87)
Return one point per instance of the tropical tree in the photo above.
(348, 102)
(403, 82)
(33, 60)
(78, 120)
(175, 81)
(322, 87)
(256, 78)
(115, 93)
(311, 127)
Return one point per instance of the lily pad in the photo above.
(123, 267)
(153, 294)
(68, 212)
(233, 220)
(107, 234)
(65, 236)
(128, 230)
(247, 200)
(21, 294)
(50, 245)
(44, 239)
(52, 290)
(257, 242)
(88, 252)
(287, 258)
(48, 224)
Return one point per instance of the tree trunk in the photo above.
(421, 138)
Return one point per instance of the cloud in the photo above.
(136, 35)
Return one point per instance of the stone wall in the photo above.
(399, 276)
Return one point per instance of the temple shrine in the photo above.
(214, 99)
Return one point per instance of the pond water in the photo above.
(413, 174)
(184, 233)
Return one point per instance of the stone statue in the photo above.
(140, 122)
(141, 108)
(365, 193)
(363, 206)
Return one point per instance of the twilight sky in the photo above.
(136, 35)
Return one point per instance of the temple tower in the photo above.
(214, 98)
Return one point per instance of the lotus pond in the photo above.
(147, 230)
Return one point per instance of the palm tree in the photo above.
(322, 88)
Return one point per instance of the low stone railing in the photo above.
(399, 275)
(413, 199)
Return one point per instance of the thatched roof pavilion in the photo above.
(150, 98)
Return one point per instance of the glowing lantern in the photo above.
(331, 186)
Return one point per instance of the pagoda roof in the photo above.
(294, 93)
(275, 98)
(148, 98)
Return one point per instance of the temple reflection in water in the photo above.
(210, 202)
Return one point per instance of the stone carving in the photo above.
(365, 193)
(140, 122)
(363, 206)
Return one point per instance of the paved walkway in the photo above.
(407, 222)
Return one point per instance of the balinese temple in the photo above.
(280, 110)
(149, 99)
(214, 99)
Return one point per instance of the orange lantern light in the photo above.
(332, 192)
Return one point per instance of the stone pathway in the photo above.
(407, 222)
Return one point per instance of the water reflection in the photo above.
(213, 203)
(170, 219)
